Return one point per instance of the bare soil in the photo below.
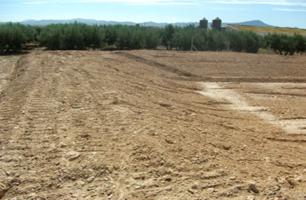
(152, 125)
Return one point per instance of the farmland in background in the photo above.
(271, 29)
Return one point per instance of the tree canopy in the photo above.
(14, 37)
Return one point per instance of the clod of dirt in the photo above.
(253, 188)
(168, 179)
(85, 136)
(62, 145)
(195, 186)
(191, 191)
(299, 179)
(169, 141)
(90, 179)
(250, 198)
(166, 105)
(227, 147)
(72, 155)
(291, 182)
(3, 190)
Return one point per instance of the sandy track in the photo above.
(235, 101)
(107, 125)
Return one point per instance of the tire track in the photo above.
(158, 65)
(35, 132)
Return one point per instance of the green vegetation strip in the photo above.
(16, 37)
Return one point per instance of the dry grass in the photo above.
(266, 30)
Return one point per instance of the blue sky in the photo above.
(276, 12)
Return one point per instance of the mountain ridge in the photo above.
(45, 22)
(257, 23)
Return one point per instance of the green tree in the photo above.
(167, 36)
(274, 42)
(300, 43)
(13, 37)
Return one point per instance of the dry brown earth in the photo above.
(152, 125)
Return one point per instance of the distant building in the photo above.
(217, 24)
(204, 23)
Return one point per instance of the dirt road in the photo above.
(149, 125)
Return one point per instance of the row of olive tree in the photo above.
(80, 36)
(284, 44)
(14, 36)
(192, 38)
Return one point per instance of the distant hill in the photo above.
(257, 23)
(70, 21)
(100, 22)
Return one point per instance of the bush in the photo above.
(72, 37)
(300, 43)
(79, 36)
(285, 44)
(203, 40)
(14, 36)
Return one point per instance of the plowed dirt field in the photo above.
(128, 125)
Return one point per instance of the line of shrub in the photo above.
(284, 44)
(13, 38)
(203, 40)
(80, 36)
